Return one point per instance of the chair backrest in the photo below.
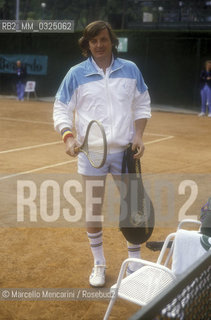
(188, 248)
(164, 256)
(196, 223)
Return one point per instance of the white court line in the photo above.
(159, 140)
(57, 142)
(30, 147)
(66, 162)
(37, 169)
(29, 121)
(155, 134)
(51, 123)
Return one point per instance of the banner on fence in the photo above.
(35, 64)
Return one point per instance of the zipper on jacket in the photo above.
(109, 104)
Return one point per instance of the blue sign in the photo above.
(36, 65)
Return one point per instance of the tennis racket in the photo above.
(95, 144)
(137, 223)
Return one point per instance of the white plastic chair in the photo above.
(147, 282)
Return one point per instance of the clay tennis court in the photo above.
(177, 145)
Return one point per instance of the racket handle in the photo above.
(77, 149)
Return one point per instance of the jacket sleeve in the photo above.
(64, 105)
(62, 115)
(141, 105)
(141, 102)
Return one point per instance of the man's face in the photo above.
(101, 46)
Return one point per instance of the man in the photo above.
(112, 91)
(21, 77)
(205, 90)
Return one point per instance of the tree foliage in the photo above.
(81, 11)
(118, 12)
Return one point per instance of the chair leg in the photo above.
(110, 306)
(119, 279)
(115, 296)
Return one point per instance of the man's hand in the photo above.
(138, 146)
(70, 145)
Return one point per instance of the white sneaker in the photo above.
(209, 115)
(201, 114)
(97, 277)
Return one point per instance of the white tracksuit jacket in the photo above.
(116, 99)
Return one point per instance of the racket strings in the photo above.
(95, 146)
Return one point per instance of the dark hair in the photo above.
(91, 31)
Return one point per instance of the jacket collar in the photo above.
(90, 68)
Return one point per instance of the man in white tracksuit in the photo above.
(112, 91)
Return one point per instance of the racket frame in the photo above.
(81, 148)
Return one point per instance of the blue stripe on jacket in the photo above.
(85, 72)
